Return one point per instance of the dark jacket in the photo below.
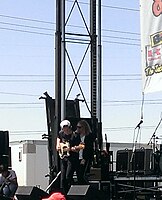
(89, 149)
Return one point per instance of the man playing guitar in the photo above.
(68, 145)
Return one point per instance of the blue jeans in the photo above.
(10, 189)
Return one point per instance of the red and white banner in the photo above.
(151, 44)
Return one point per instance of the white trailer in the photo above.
(29, 159)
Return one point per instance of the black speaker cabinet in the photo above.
(30, 193)
(123, 158)
(4, 143)
(4, 148)
(85, 192)
(106, 164)
(142, 161)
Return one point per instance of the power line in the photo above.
(19, 94)
(33, 32)
(122, 38)
(49, 75)
(110, 129)
(117, 77)
(23, 107)
(26, 19)
(41, 81)
(125, 128)
(123, 32)
(49, 34)
(28, 131)
(134, 100)
(70, 25)
(105, 103)
(108, 6)
(125, 43)
(121, 8)
(26, 26)
(13, 103)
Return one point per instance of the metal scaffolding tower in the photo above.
(56, 110)
(93, 42)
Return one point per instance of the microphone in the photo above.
(138, 125)
(105, 137)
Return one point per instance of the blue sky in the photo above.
(27, 50)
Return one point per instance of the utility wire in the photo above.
(19, 94)
(69, 25)
(26, 19)
(48, 34)
(48, 75)
(105, 103)
(69, 80)
(108, 6)
(26, 26)
(51, 34)
(33, 32)
(110, 129)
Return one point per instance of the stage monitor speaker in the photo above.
(143, 161)
(123, 158)
(85, 192)
(30, 193)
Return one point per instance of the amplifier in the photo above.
(123, 158)
(142, 161)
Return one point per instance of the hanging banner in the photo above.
(151, 44)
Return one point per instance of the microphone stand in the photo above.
(53, 181)
(153, 137)
(133, 161)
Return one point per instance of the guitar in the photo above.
(65, 149)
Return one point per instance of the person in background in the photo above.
(86, 154)
(56, 196)
(68, 147)
(8, 181)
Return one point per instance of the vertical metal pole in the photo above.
(63, 63)
(93, 58)
(99, 101)
(50, 146)
(57, 72)
(99, 80)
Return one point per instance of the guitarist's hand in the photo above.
(58, 148)
(82, 162)
(74, 149)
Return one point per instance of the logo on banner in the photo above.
(153, 60)
(157, 8)
(156, 39)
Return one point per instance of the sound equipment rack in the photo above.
(131, 187)
(135, 177)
